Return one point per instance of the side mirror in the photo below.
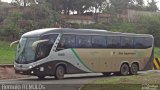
(15, 42)
(34, 45)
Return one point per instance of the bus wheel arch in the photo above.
(60, 70)
(134, 68)
(124, 68)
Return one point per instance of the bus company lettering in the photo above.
(127, 53)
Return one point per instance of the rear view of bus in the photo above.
(55, 52)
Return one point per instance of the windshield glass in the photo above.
(25, 53)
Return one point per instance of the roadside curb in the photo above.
(6, 65)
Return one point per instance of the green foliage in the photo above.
(151, 25)
(124, 27)
(7, 53)
(152, 6)
(19, 20)
(116, 27)
(118, 6)
(156, 52)
(10, 27)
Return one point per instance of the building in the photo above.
(79, 19)
(132, 15)
(127, 15)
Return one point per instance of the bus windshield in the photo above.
(25, 53)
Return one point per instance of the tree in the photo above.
(137, 5)
(119, 5)
(97, 4)
(11, 26)
(152, 6)
(66, 6)
(24, 2)
(79, 5)
(151, 25)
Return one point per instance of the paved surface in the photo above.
(70, 82)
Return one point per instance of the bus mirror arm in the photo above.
(34, 45)
(15, 42)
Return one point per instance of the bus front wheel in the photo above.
(59, 73)
(134, 69)
(124, 70)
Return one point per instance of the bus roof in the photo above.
(41, 32)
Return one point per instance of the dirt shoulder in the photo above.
(8, 72)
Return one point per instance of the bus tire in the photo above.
(134, 69)
(59, 73)
(124, 70)
(41, 77)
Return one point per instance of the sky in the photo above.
(158, 4)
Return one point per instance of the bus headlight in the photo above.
(32, 72)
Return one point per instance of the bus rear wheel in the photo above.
(59, 74)
(124, 70)
(134, 69)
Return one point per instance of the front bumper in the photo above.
(28, 72)
(40, 70)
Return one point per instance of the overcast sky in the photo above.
(158, 4)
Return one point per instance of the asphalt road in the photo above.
(70, 82)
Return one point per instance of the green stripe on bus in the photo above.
(80, 59)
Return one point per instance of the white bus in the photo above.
(59, 51)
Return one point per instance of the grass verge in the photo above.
(156, 52)
(7, 53)
(133, 82)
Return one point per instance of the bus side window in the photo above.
(99, 42)
(113, 42)
(142, 42)
(50, 37)
(83, 41)
(126, 42)
(67, 41)
(148, 42)
(138, 43)
(44, 48)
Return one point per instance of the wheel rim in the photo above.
(60, 72)
(134, 69)
(124, 69)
